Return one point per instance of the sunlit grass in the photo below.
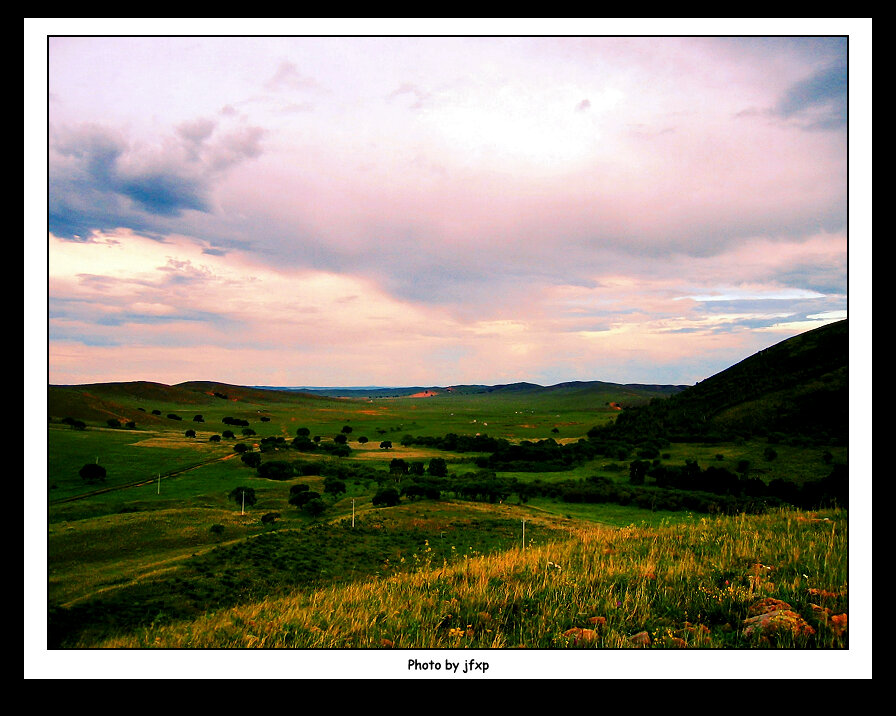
(684, 586)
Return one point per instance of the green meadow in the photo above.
(160, 554)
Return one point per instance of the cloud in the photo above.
(100, 181)
(818, 102)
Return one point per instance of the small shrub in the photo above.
(92, 473)
(217, 529)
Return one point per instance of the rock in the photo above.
(778, 621)
(578, 634)
(764, 606)
(642, 638)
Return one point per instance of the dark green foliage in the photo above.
(241, 448)
(270, 517)
(386, 445)
(363, 440)
(398, 467)
(340, 439)
(217, 529)
(251, 459)
(300, 499)
(173, 416)
(637, 471)
(296, 489)
(198, 419)
(335, 449)
(417, 468)
(248, 432)
(438, 467)
(265, 419)
(156, 412)
(113, 423)
(236, 422)
(304, 444)
(314, 507)
(276, 470)
(387, 497)
(75, 424)
(214, 439)
(243, 496)
(190, 433)
(92, 473)
(770, 453)
(347, 429)
(333, 486)
(303, 432)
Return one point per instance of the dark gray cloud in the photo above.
(819, 102)
(99, 181)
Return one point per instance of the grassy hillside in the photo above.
(399, 580)
(798, 387)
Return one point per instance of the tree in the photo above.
(214, 439)
(386, 445)
(398, 466)
(333, 486)
(113, 423)
(251, 459)
(438, 467)
(637, 470)
(248, 432)
(418, 467)
(346, 429)
(300, 499)
(315, 507)
(198, 419)
(241, 448)
(362, 439)
(277, 470)
(387, 497)
(269, 518)
(190, 433)
(92, 473)
(340, 439)
(228, 434)
(303, 432)
(243, 496)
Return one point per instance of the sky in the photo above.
(334, 209)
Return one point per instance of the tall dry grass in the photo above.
(683, 586)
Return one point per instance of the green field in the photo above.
(144, 557)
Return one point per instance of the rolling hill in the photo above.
(798, 387)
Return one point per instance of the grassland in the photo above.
(158, 556)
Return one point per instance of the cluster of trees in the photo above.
(237, 422)
(721, 481)
(714, 492)
(541, 456)
(453, 442)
